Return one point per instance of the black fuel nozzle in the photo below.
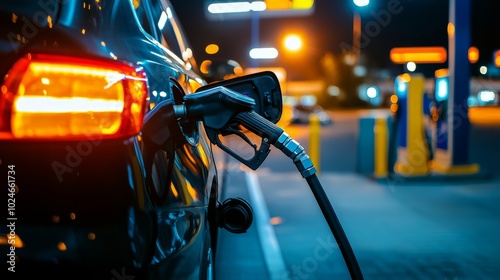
(222, 110)
(160, 124)
(215, 106)
(277, 137)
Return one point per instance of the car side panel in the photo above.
(173, 231)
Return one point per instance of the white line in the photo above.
(269, 242)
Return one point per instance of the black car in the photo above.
(92, 191)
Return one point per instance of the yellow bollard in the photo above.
(413, 156)
(314, 140)
(381, 148)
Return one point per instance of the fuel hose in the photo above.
(277, 137)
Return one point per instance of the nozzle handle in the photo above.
(259, 125)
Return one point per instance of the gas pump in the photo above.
(447, 160)
(412, 152)
(441, 93)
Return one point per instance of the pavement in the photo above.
(438, 227)
(414, 229)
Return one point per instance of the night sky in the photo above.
(419, 23)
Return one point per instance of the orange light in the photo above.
(418, 55)
(404, 78)
(441, 73)
(11, 240)
(288, 4)
(61, 246)
(473, 54)
(496, 56)
(293, 42)
(91, 236)
(394, 108)
(212, 49)
(394, 98)
(46, 96)
(450, 28)
(278, 5)
(238, 71)
(275, 221)
(174, 190)
(205, 66)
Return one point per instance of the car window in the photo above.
(166, 24)
(143, 16)
(171, 34)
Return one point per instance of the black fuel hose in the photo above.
(335, 227)
(280, 139)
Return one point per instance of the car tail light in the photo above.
(48, 96)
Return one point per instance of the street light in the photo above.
(356, 28)
(293, 42)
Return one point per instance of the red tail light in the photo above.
(48, 96)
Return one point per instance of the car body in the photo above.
(89, 197)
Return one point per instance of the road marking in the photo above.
(267, 235)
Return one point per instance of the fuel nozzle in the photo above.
(215, 107)
(218, 109)
(222, 109)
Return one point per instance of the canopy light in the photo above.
(418, 55)
(236, 7)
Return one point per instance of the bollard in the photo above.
(314, 140)
(381, 148)
(412, 154)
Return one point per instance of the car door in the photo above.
(182, 173)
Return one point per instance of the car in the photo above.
(97, 189)
(301, 114)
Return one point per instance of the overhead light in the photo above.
(263, 53)
(361, 3)
(236, 7)
(487, 96)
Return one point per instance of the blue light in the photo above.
(441, 93)
(400, 87)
